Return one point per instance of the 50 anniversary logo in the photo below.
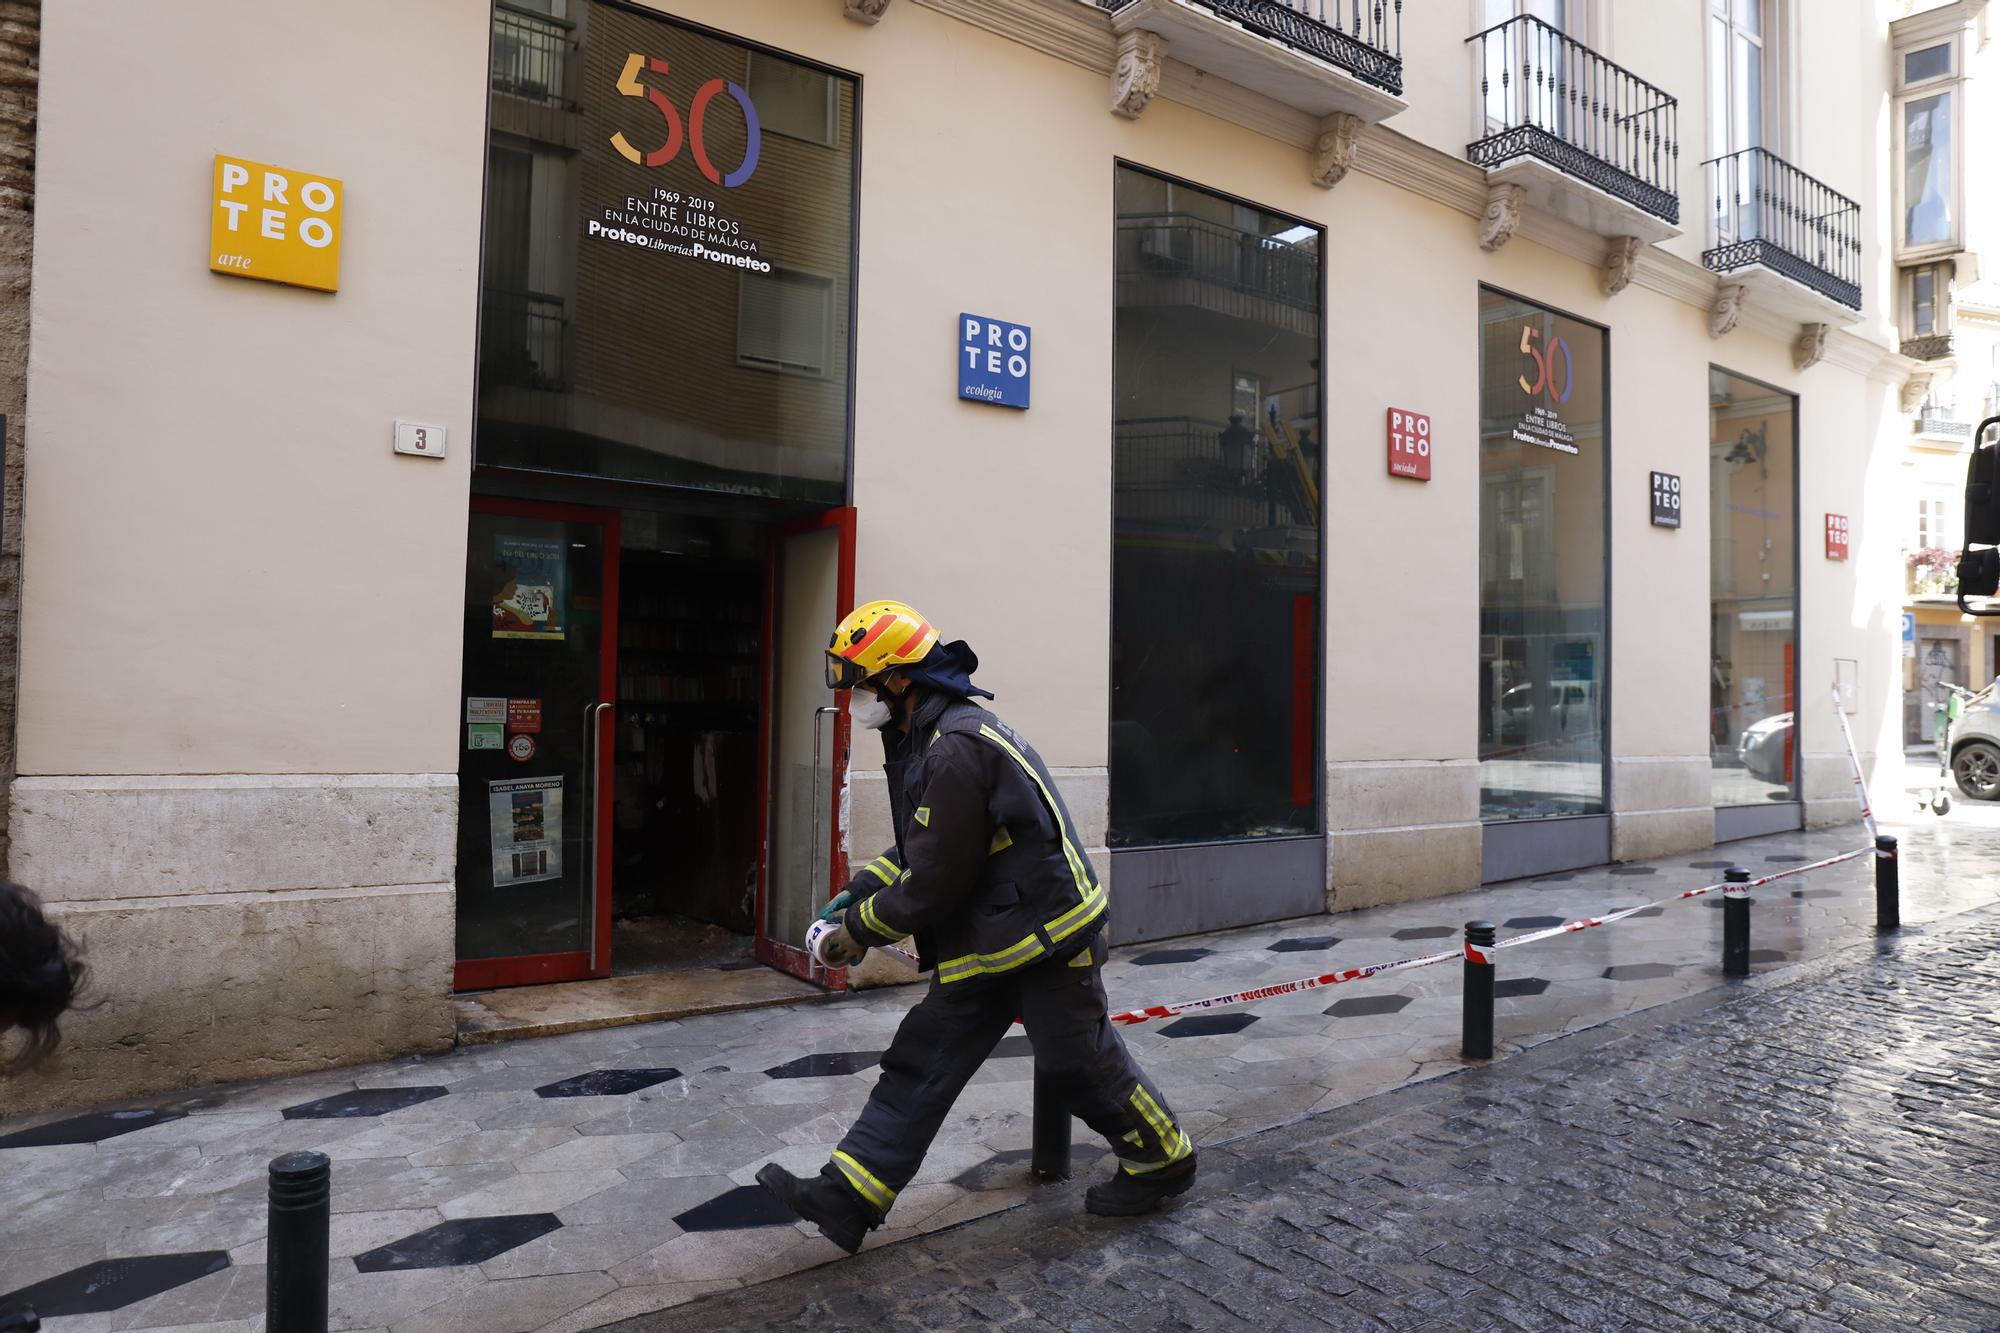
(697, 141)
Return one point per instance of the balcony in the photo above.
(534, 59)
(1791, 243)
(1935, 347)
(1579, 137)
(524, 341)
(1940, 421)
(1324, 57)
(1177, 259)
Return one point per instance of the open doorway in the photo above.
(684, 785)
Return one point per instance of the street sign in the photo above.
(1910, 635)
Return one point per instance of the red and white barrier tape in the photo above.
(1153, 1011)
(1485, 955)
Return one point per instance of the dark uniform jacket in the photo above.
(988, 872)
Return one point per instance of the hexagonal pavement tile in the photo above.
(1304, 943)
(459, 1242)
(1638, 972)
(608, 1083)
(363, 1102)
(1513, 987)
(1533, 922)
(742, 1209)
(830, 1065)
(1710, 865)
(1363, 1006)
(1424, 933)
(1159, 956)
(93, 1128)
(1208, 1025)
(113, 1284)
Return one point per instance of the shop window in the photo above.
(1542, 575)
(1215, 644)
(646, 280)
(794, 100)
(784, 321)
(1929, 142)
(1753, 592)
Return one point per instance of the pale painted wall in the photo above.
(227, 571)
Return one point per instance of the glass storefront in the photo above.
(669, 255)
(1215, 668)
(1753, 591)
(1543, 440)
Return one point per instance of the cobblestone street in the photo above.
(1808, 1152)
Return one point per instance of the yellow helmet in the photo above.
(874, 638)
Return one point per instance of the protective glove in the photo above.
(829, 942)
(836, 909)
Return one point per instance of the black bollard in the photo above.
(1476, 1039)
(1050, 1159)
(1888, 885)
(1735, 923)
(296, 1250)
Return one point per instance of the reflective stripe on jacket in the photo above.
(988, 872)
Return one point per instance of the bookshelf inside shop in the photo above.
(686, 813)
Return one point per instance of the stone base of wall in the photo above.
(240, 926)
(1661, 805)
(1401, 830)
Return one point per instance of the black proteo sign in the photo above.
(1666, 500)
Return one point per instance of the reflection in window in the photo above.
(1216, 555)
(648, 268)
(1927, 170)
(1541, 562)
(1753, 602)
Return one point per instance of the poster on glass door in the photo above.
(526, 830)
(531, 593)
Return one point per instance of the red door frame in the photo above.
(576, 964)
(790, 956)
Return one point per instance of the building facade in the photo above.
(1374, 450)
(1945, 212)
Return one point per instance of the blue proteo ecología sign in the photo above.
(993, 361)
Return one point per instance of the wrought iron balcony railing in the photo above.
(1547, 96)
(531, 55)
(1180, 245)
(1933, 347)
(1941, 421)
(1363, 37)
(524, 340)
(1767, 211)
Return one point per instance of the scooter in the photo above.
(1947, 713)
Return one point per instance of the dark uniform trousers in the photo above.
(949, 1034)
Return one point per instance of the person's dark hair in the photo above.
(40, 974)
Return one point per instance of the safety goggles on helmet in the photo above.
(874, 638)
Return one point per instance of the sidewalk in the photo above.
(566, 1182)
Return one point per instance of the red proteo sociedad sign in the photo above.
(1409, 444)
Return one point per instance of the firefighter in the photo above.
(988, 875)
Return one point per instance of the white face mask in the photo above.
(870, 710)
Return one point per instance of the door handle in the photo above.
(814, 883)
(593, 790)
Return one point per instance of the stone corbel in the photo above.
(1727, 310)
(1136, 76)
(1811, 346)
(1333, 151)
(1620, 263)
(864, 11)
(1914, 389)
(1503, 216)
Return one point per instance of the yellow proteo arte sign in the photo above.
(275, 223)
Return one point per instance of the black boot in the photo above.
(826, 1200)
(1127, 1195)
